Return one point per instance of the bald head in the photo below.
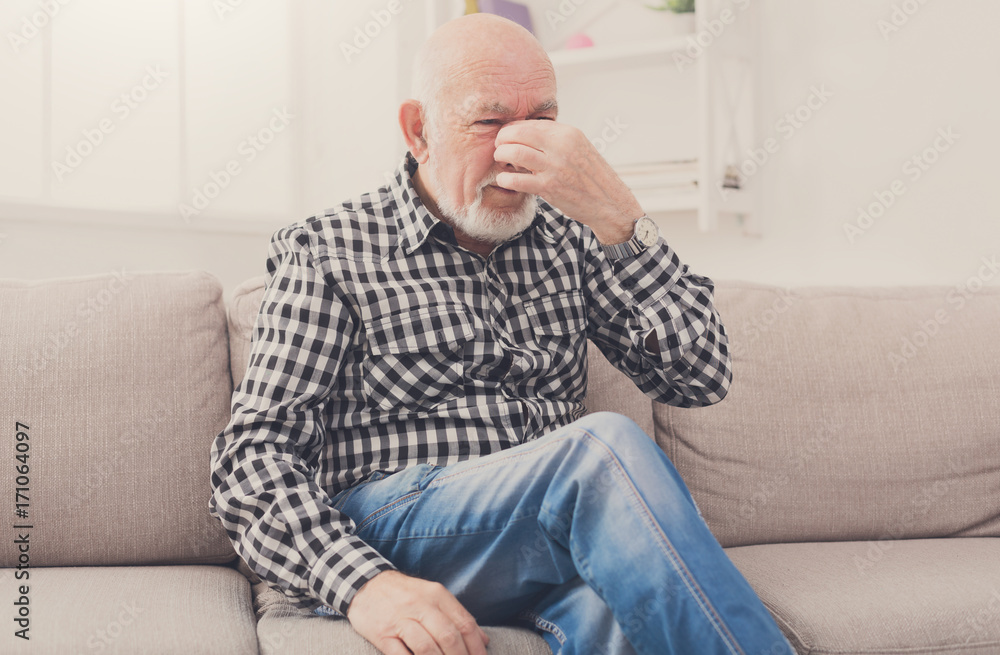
(464, 54)
(474, 76)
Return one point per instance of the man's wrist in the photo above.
(618, 230)
(644, 235)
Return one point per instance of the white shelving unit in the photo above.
(720, 104)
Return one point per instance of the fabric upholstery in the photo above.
(124, 381)
(938, 596)
(283, 628)
(242, 314)
(854, 414)
(153, 610)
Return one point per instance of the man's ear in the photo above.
(414, 129)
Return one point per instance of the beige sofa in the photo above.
(853, 472)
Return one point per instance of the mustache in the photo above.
(490, 178)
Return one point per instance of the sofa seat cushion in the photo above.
(188, 609)
(284, 628)
(907, 596)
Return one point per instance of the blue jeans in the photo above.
(588, 534)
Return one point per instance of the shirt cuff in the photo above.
(338, 576)
(650, 275)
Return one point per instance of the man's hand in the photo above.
(568, 172)
(402, 615)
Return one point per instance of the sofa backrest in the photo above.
(118, 384)
(854, 414)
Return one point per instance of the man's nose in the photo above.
(511, 168)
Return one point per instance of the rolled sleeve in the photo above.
(655, 291)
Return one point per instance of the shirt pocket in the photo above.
(416, 357)
(555, 317)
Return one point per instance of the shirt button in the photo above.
(440, 335)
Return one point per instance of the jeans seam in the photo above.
(508, 457)
(399, 503)
(681, 568)
(546, 625)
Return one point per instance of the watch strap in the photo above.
(629, 248)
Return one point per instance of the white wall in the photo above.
(890, 97)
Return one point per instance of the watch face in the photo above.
(646, 231)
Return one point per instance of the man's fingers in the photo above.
(532, 133)
(418, 639)
(474, 637)
(446, 634)
(394, 647)
(521, 156)
(524, 182)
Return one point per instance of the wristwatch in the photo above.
(644, 235)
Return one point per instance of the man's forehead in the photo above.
(477, 105)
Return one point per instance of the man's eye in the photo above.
(489, 121)
(544, 118)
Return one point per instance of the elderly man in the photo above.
(408, 447)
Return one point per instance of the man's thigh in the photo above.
(473, 526)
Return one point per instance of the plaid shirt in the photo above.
(381, 344)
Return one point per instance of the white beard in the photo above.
(482, 223)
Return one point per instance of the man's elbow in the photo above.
(713, 385)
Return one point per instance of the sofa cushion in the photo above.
(284, 628)
(851, 598)
(854, 414)
(123, 380)
(244, 306)
(189, 609)
(609, 389)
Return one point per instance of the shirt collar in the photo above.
(417, 223)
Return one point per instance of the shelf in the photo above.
(654, 200)
(606, 57)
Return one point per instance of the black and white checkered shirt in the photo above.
(381, 344)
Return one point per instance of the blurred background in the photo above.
(179, 134)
